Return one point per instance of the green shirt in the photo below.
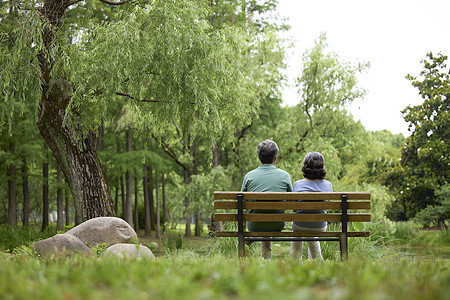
(266, 178)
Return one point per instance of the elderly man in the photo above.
(266, 178)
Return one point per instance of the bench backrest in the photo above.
(290, 201)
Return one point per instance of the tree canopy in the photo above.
(423, 171)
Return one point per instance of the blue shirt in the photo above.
(312, 186)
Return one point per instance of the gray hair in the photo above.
(267, 151)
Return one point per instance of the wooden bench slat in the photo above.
(290, 205)
(291, 234)
(292, 217)
(291, 196)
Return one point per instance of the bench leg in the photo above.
(241, 246)
(343, 246)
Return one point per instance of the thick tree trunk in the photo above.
(59, 200)
(128, 209)
(12, 203)
(148, 231)
(74, 149)
(26, 194)
(81, 167)
(45, 191)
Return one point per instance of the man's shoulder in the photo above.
(281, 171)
(251, 172)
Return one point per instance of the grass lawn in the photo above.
(208, 268)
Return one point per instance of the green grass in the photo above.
(206, 268)
(13, 237)
(188, 275)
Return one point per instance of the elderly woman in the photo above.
(314, 174)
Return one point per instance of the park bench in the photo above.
(239, 202)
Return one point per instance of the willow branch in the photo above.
(72, 2)
(133, 98)
(179, 134)
(114, 3)
(169, 152)
(39, 72)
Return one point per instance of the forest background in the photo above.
(144, 108)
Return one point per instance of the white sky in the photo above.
(392, 35)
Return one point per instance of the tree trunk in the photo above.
(197, 230)
(122, 193)
(136, 211)
(187, 232)
(158, 225)
(59, 199)
(26, 194)
(152, 200)
(216, 156)
(148, 231)
(122, 188)
(74, 151)
(83, 174)
(164, 221)
(116, 196)
(197, 225)
(216, 162)
(45, 190)
(128, 209)
(12, 204)
(66, 200)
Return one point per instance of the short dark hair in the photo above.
(267, 151)
(313, 166)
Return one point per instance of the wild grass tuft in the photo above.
(13, 237)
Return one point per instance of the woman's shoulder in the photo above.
(304, 182)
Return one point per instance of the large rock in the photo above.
(61, 244)
(107, 230)
(129, 250)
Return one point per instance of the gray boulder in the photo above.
(129, 251)
(61, 245)
(107, 230)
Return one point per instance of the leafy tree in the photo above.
(423, 170)
(165, 61)
(440, 212)
(265, 53)
(319, 122)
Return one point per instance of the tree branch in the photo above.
(40, 73)
(170, 152)
(179, 134)
(114, 3)
(72, 2)
(133, 98)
